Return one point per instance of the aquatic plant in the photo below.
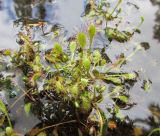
(74, 81)
(64, 87)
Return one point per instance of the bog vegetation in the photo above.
(63, 86)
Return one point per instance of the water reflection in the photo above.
(157, 20)
(116, 127)
(23, 8)
(46, 11)
(152, 122)
(30, 9)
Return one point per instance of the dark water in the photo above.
(67, 13)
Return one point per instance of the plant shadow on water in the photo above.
(43, 83)
(157, 20)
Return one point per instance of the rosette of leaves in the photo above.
(70, 79)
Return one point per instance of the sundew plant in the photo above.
(63, 87)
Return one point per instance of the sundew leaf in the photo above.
(2, 119)
(125, 76)
(92, 32)
(82, 40)
(72, 47)
(86, 63)
(7, 52)
(27, 108)
(129, 76)
(76, 103)
(114, 80)
(9, 131)
(118, 112)
(116, 89)
(37, 59)
(123, 98)
(114, 34)
(86, 103)
(4, 110)
(59, 86)
(42, 134)
(84, 81)
(36, 76)
(58, 48)
(142, 19)
(24, 37)
(96, 56)
(146, 85)
(75, 90)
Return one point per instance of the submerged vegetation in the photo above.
(64, 85)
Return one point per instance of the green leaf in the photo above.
(92, 32)
(76, 104)
(114, 80)
(122, 98)
(129, 76)
(118, 113)
(110, 15)
(9, 131)
(84, 81)
(58, 48)
(72, 47)
(36, 76)
(146, 85)
(7, 52)
(142, 19)
(86, 104)
(4, 110)
(82, 40)
(42, 134)
(75, 90)
(114, 34)
(2, 119)
(116, 89)
(154, 131)
(27, 108)
(59, 86)
(86, 63)
(125, 76)
(96, 56)
(37, 59)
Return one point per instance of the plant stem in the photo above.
(153, 131)
(115, 8)
(55, 125)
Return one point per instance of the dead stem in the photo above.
(55, 125)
